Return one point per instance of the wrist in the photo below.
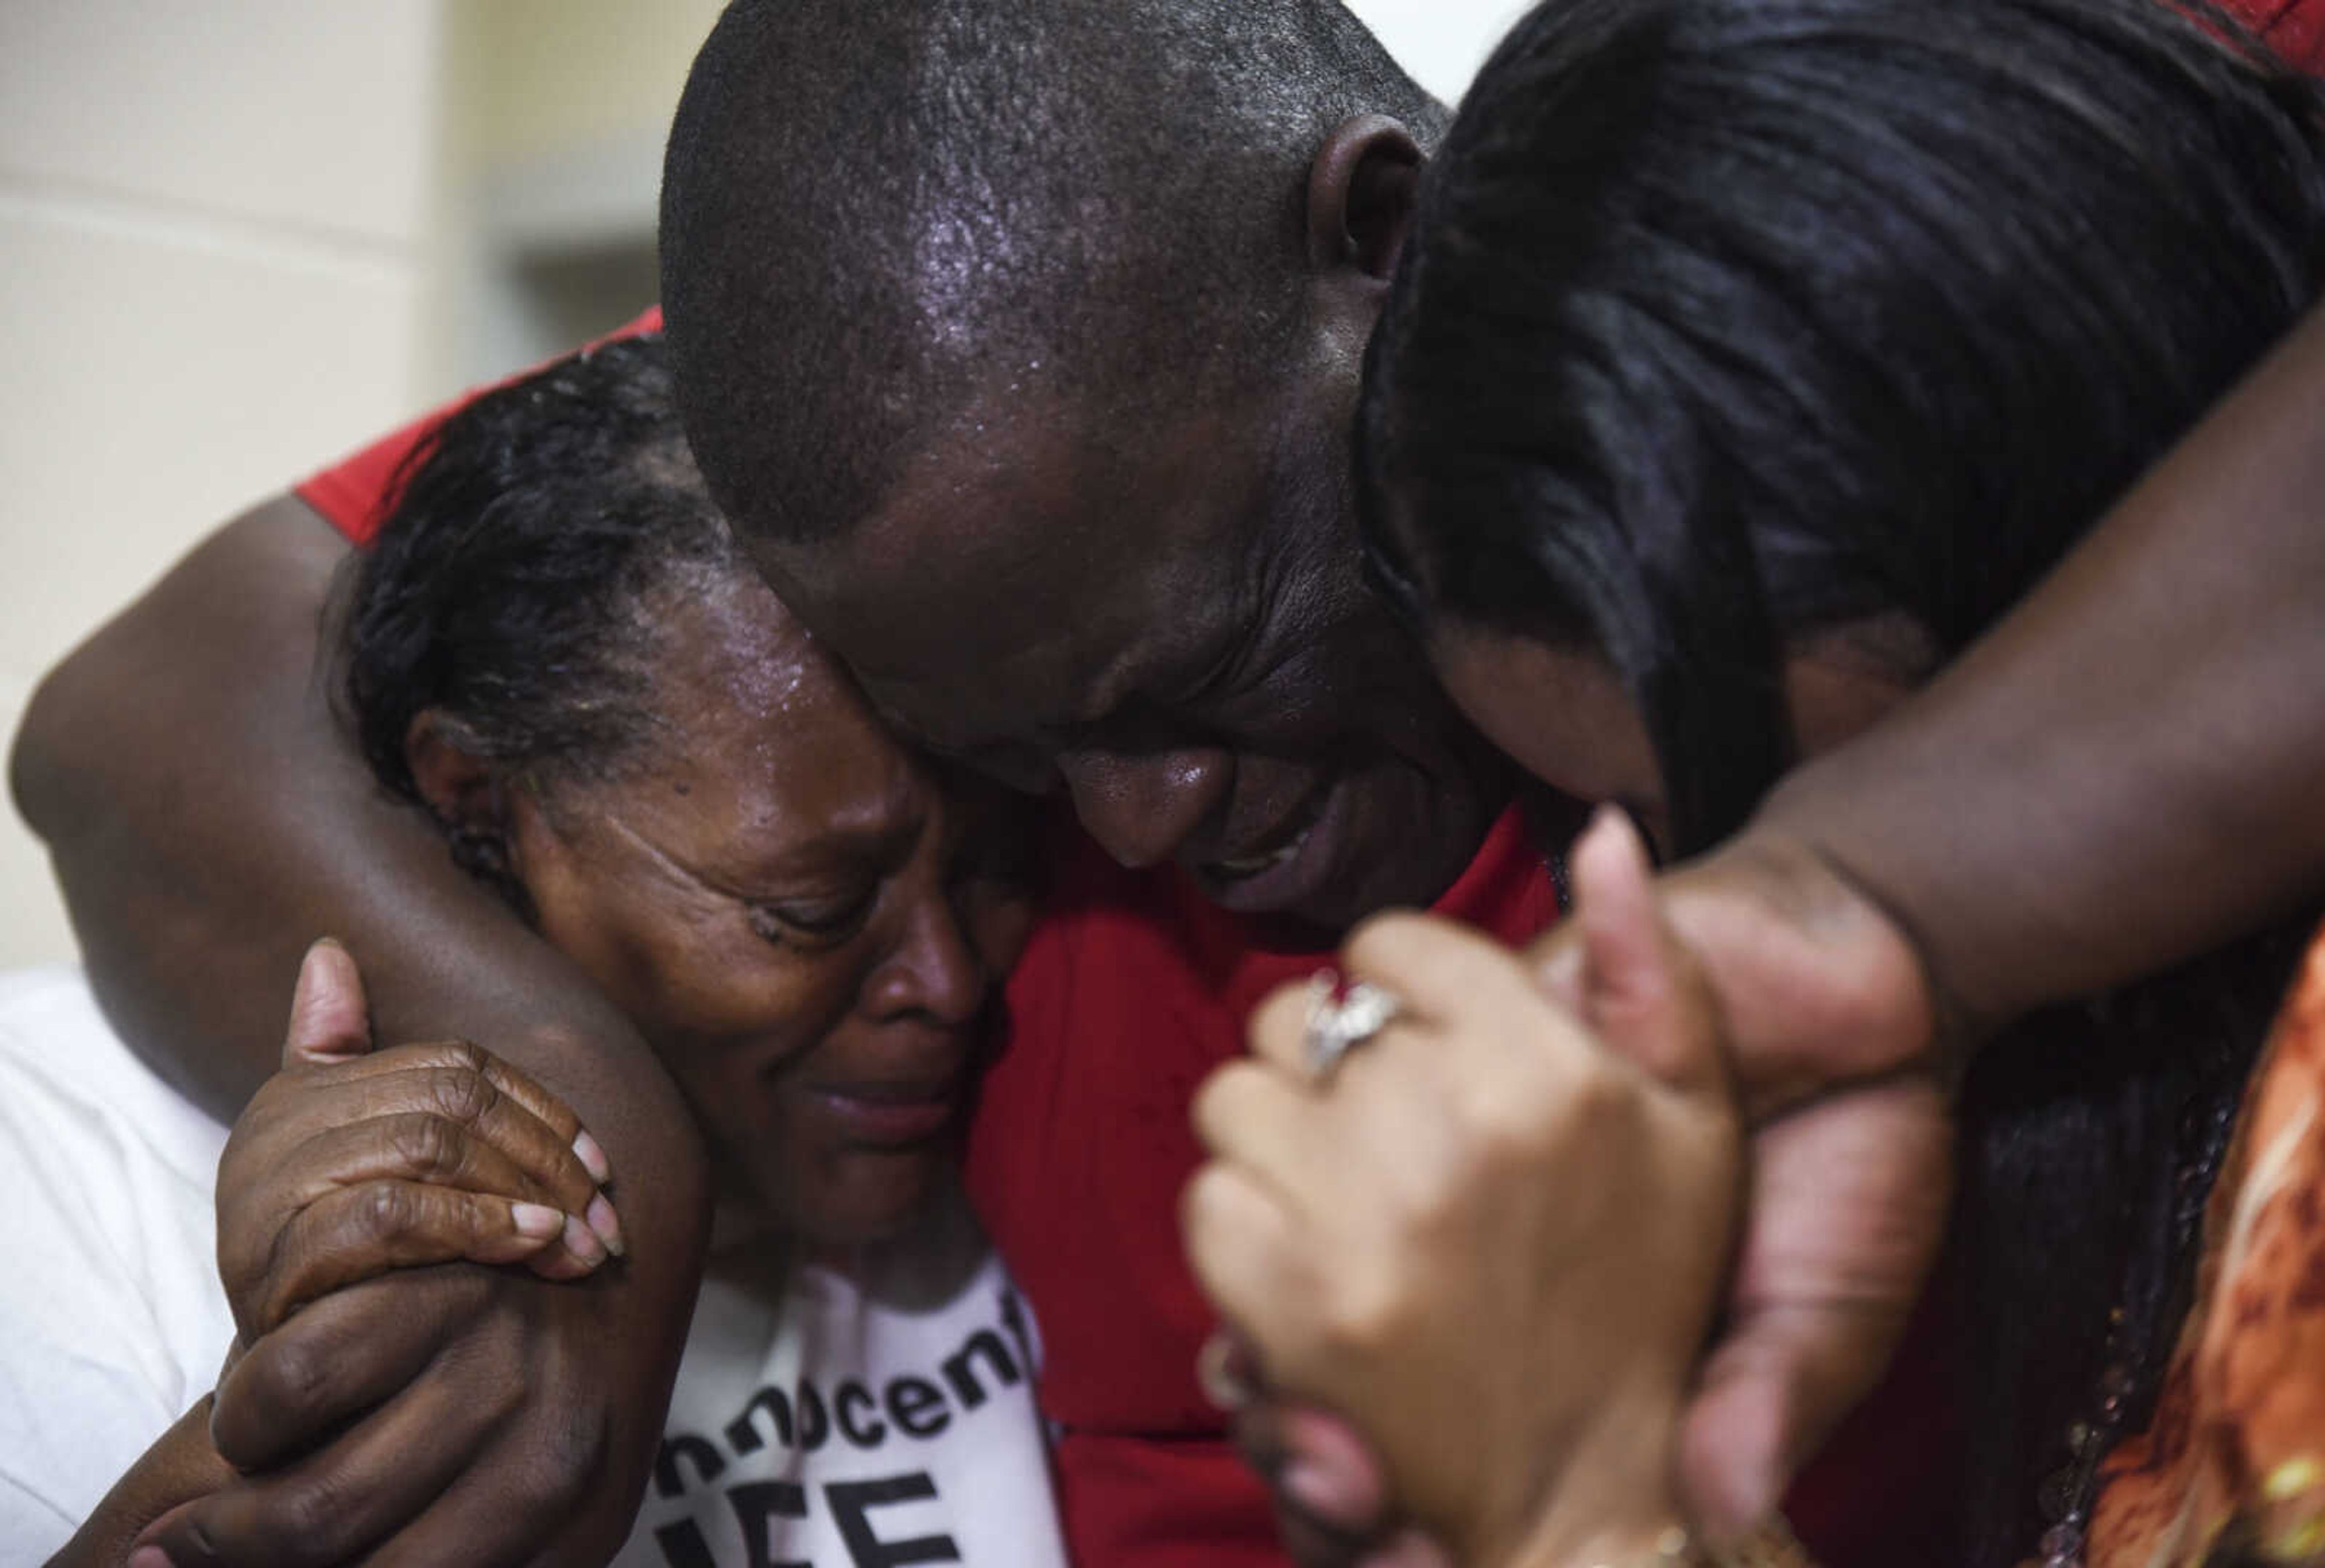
(1859, 894)
(1664, 1545)
(1772, 1546)
(1821, 981)
(1616, 1505)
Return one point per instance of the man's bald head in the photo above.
(873, 211)
(1021, 339)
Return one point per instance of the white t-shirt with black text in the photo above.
(872, 1416)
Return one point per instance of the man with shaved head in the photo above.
(1073, 298)
(1096, 277)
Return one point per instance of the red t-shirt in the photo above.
(2295, 28)
(355, 494)
(1134, 987)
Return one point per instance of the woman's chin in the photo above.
(860, 1197)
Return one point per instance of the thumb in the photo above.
(1756, 1416)
(1850, 1198)
(1771, 1394)
(329, 1020)
(1641, 992)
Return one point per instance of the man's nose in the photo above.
(1142, 806)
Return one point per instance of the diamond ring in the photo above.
(1340, 1020)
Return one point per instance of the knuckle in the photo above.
(312, 1509)
(198, 1537)
(241, 1265)
(272, 1299)
(294, 1376)
(1601, 1096)
(1363, 1317)
(1206, 1207)
(1512, 1124)
(556, 1113)
(428, 1147)
(464, 1093)
(1383, 935)
(384, 1209)
(1216, 1100)
(525, 1088)
(1373, 936)
(466, 1055)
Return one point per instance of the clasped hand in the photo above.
(1496, 1238)
(389, 1409)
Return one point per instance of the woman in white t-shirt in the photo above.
(555, 650)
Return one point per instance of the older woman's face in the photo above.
(806, 928)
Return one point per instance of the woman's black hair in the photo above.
(1727, 321)
(514, 588)
(1723, 321)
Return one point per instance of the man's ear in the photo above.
(1361, 191)
(461, 789)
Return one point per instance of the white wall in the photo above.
(209, 267)
(238, 237)
(1442, 42)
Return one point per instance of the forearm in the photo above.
(2128, 770)
(208, 822)
(180, 1466)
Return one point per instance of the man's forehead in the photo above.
(1037, 587)
(984, 643)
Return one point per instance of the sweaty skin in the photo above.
(2124, 771)
(208, 821)
(2116, 778)
(1169, 623)
(2133, 728)
(803, 924)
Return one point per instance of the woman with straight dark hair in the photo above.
(1749, 358)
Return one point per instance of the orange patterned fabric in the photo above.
(2234, 1457)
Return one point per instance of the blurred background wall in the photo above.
(238, 237)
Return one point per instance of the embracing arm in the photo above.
(2131, 769)
(208, 822)
(181, 1465)
(2122, 774)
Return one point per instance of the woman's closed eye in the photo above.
(813, 923)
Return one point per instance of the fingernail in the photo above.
(538, 1220)
(607, 1226)
(319, 942)
(592, 1155)
(1309, 1487)
(582, 1242)
(150, 1557)
(1226, 1372)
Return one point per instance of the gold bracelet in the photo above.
(1675, 1548)
(1772, 1546)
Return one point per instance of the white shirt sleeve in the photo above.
(112, 1322)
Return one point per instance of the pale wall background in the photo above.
(239, 237)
